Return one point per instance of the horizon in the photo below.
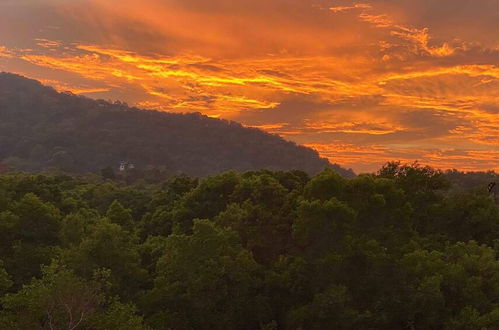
(362, 83)
(414, 163)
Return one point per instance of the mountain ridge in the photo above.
(42, 128)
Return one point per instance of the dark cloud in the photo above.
(292, 110)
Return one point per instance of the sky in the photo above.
(362, 82)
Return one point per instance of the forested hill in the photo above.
(41, 128)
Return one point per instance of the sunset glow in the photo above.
(361, 82)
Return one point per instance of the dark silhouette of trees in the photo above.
(41, 129)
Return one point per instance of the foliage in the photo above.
(42, 129)
(402, 249)
(62, 300)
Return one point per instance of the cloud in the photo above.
(378, 81)
(4, 53)
(341, 9)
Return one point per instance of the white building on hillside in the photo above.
(125, 166)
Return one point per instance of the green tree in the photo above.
(62, 300)
(109, 246)
(323, 226)
(76, 226)
(5, 281)
(424, 187)
(454, 288)
(119, 215)
(205, 201)
(329, 309)
(206, 281)
(278, 250)
(262, 214)
(119, 316)
(39, 222)
(325, 185)
(34, 236)
(467, 216)
(59, 300)
(108, 173)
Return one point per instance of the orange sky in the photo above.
(361, 82)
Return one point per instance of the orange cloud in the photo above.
(361, 82)
(365, 158)
(4, 53)
(340, 9)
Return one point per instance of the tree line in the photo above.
(399, 249)
(42, 129)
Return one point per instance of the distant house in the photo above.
(125, 166)
(493, 189)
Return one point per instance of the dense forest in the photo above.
(400, 249)
(41, 128)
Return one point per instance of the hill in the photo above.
(42, 128)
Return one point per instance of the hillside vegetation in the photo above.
(255, 250)
(41, 128)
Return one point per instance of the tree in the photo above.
(109, 246)
(5, 281)
(59, 300)
(323, 226)
(467, 216)
(34, 235)
(262, 214)
(108, 173)
(424, 187)
(206, 281)
(205, 201)
(76, 226)
(456, 287)
(62, 300)
(325, 185)
(38, 221)
(119, 215)
(328, 310)
(276, 251)
(119, 316)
